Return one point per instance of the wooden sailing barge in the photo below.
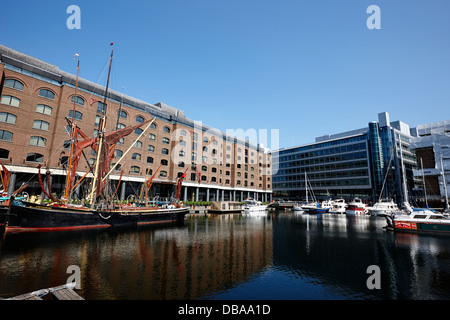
(100, 212)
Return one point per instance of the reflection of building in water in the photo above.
(180, 263)
(334, 256)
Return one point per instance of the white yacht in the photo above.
(356, 207)
(251, 205)
(338, 206)
(383, 207)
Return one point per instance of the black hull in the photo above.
(38, 218)
(43, 219)
(143, 217)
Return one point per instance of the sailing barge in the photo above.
(100, 212)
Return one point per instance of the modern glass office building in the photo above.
(366, 163)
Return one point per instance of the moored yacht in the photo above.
(356, 207)
(383, 207)
(251, 205)
(418, 221)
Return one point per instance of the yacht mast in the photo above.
(445, 185)
(96, 184)
(405, 189)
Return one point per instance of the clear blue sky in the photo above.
(307, 68)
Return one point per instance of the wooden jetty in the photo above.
(64, 292)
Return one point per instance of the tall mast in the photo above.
(96, 184)
(405, 190)
(424, 186)
(68, 192)
(445, 184)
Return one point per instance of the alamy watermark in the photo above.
(243, 148)
(374, 20)
(374, 280)
(75, 277)
(74, 20)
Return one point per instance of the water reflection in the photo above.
(273, 256)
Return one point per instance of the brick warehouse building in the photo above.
(36, 97)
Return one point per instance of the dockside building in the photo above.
(368, 163)
(432, 147)
(37, 97)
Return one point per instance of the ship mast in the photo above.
(68, 192)
(96, 185)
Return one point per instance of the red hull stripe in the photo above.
(20, 229)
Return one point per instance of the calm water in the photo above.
(274, 256)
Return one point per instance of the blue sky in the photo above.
(307, 68)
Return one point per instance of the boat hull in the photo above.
(318, 210)
(421, 227)
(143, 216)
(24, 218)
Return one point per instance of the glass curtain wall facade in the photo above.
(365, 163)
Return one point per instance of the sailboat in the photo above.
(100, 211)
(308, 205)
(384, 206)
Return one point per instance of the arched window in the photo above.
(152, 137)
(34, 157)
(14, 84)
(38, 141)
(41, 125)
(140, 119)
(135, 169)
(153, 126)
(4, 154)
(181, 164)
(118, 153)
(78, 115)
(164, 162)
(45, 93)
(163, 174)
(165, 140)
(7, 118)
(10, 101)
(151, 148)
(120, 126)
(6, 135)
(42, 108)
(80, 100)
(149, 160)
(122, 114)
(183, 133)
(138, 144)
(166, 130)
(138, 131)
(164, 151)
(136, 156)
